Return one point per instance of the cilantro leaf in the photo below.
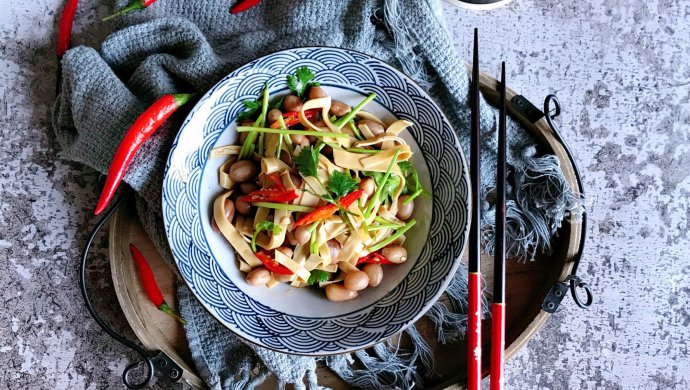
(300, 80)
(268, 226)
(252, 107)
(405, 167)
(277, 103)
(308, 161)
(412, 184)
(318, 276)
(341, 184)
(389, 187)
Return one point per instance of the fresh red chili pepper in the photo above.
(244, 5)
(347, 200)
(326, 211)
(274, 195)
(318, 214)
(272, 265)
(275, 178)
(373, 258)
(148, 281)
(65, 29)
(292, 118)
(134, 5)
(142, 129)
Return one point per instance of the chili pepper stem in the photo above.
(182, 98)
(134, 5)
(172, 313)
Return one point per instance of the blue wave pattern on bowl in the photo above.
(432, 271)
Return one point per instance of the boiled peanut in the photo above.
(336, 292)
(395, 254)
(302, 235)
(375, 127)
(334, 248)
(356, 280)
(368, 185)
(404, 210)
(242, 207)
(243, 170)
(375, 273)
(273, 115)
(287, 251)
(292, 103)
(316, 92)
(339, 108)
(258, 276)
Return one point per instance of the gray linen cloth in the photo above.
(182, 46)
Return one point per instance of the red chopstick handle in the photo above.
(498, 332)
(474, 333)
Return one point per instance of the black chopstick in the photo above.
(499, 251)
(474, 282)
(498, 309)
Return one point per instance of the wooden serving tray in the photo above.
(526, 284)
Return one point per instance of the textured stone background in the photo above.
(622, 71)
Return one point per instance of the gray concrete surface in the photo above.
(622, 71)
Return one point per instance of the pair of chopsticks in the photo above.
(474, 346)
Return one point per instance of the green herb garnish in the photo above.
(412, 185)
(301, 80)
(308, 161)
(379, 189)
(318, 276)
(252, 106)
(389, 187)
(248, 146)
(277, 103)
(264, 226)
(341, 184)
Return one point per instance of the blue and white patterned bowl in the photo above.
(303, 321)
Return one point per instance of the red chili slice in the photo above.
(326, 211)
(373, 258)
(275, 178)
(274, 195)
(292, 118)
(272, 265)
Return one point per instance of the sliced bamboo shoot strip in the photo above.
(271, 165)
(292, 265)
(231, 234)
(227, 150)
